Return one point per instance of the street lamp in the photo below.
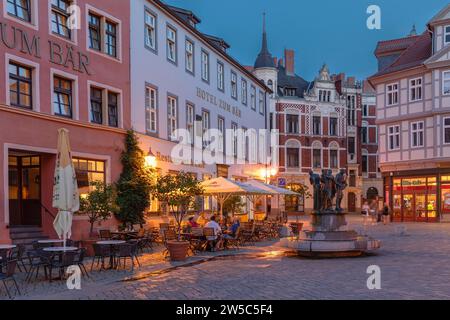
(150, 159)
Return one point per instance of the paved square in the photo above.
(413, 266)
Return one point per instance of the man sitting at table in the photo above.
(217, 232)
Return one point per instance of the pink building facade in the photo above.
(54, 77)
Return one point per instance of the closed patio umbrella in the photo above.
(65, 189)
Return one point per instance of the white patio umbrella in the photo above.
(277, 191)
(223, 188)
(65, 189)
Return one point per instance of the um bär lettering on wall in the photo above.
(66, 55)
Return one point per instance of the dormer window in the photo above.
(290, 92)
(447, 35)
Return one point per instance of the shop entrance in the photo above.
(24, 186)
(414, 199)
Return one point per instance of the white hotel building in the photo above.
(180, 76)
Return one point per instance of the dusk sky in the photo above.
(328, 31)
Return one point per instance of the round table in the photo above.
(7, 246)
(60, 249)
(50, 241)
(111, 243)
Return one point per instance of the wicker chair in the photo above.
(67, 260)
(100, 253)
(18, 254)
(210, 237)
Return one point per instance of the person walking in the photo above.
(365, 212)
(386, 214)
(373, 211)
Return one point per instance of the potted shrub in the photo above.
(179, 192)
(98, 205)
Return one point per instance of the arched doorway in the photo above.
(372, 193)
(351, 202)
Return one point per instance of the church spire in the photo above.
(264, 59)
(413, 31)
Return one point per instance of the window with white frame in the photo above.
(261, 102)
(103, 34)
(253, 97)
(221, 128)
(150, 30)
(233, 85)
(365, 110)
(151, 109)
(446, 82)
(392, 94)
(417, 134)
(189, 56)
(205, 128)
(172, 114)
(447, 35)
(220, 76)
(244, 91)
(365, 132)
(171, 44)
(334, 162)
(234, 129)
(394, 137)
(20, 9)
(446, 130)
(104, 106)
(205, 66)
(292, 123)
(351, 110)
(190, 120)
(317, 125)
(365, 162)
(415, 89)
(60, 18)
(317, 158)
(334, 129)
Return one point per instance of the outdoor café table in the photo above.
(111, 243)
(59, 251)
(51, 241)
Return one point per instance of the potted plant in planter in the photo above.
(98, 205)
(179, 193)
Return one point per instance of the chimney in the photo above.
(275, 61)
(281, 62)
(289, 56)
(351, 81)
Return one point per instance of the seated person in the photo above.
(192, 223)
(217, 232)
(233, 229)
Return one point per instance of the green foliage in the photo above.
(234, 204)
(134, 185)
(301, 189)
(99, 204)
(179, 192)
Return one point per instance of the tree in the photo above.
(234, 204)
(99, 204)
(179, 192)
(134, 185)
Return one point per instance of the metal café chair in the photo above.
(9, 277)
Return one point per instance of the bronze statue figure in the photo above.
(326, 188)
(341, 185)
(314, 179)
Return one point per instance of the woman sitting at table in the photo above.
(192, 223)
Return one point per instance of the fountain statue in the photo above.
(329, 236)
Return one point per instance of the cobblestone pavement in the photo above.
(413, 266)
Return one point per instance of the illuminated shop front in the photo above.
(421, 198)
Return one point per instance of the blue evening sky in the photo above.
(331, 31)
